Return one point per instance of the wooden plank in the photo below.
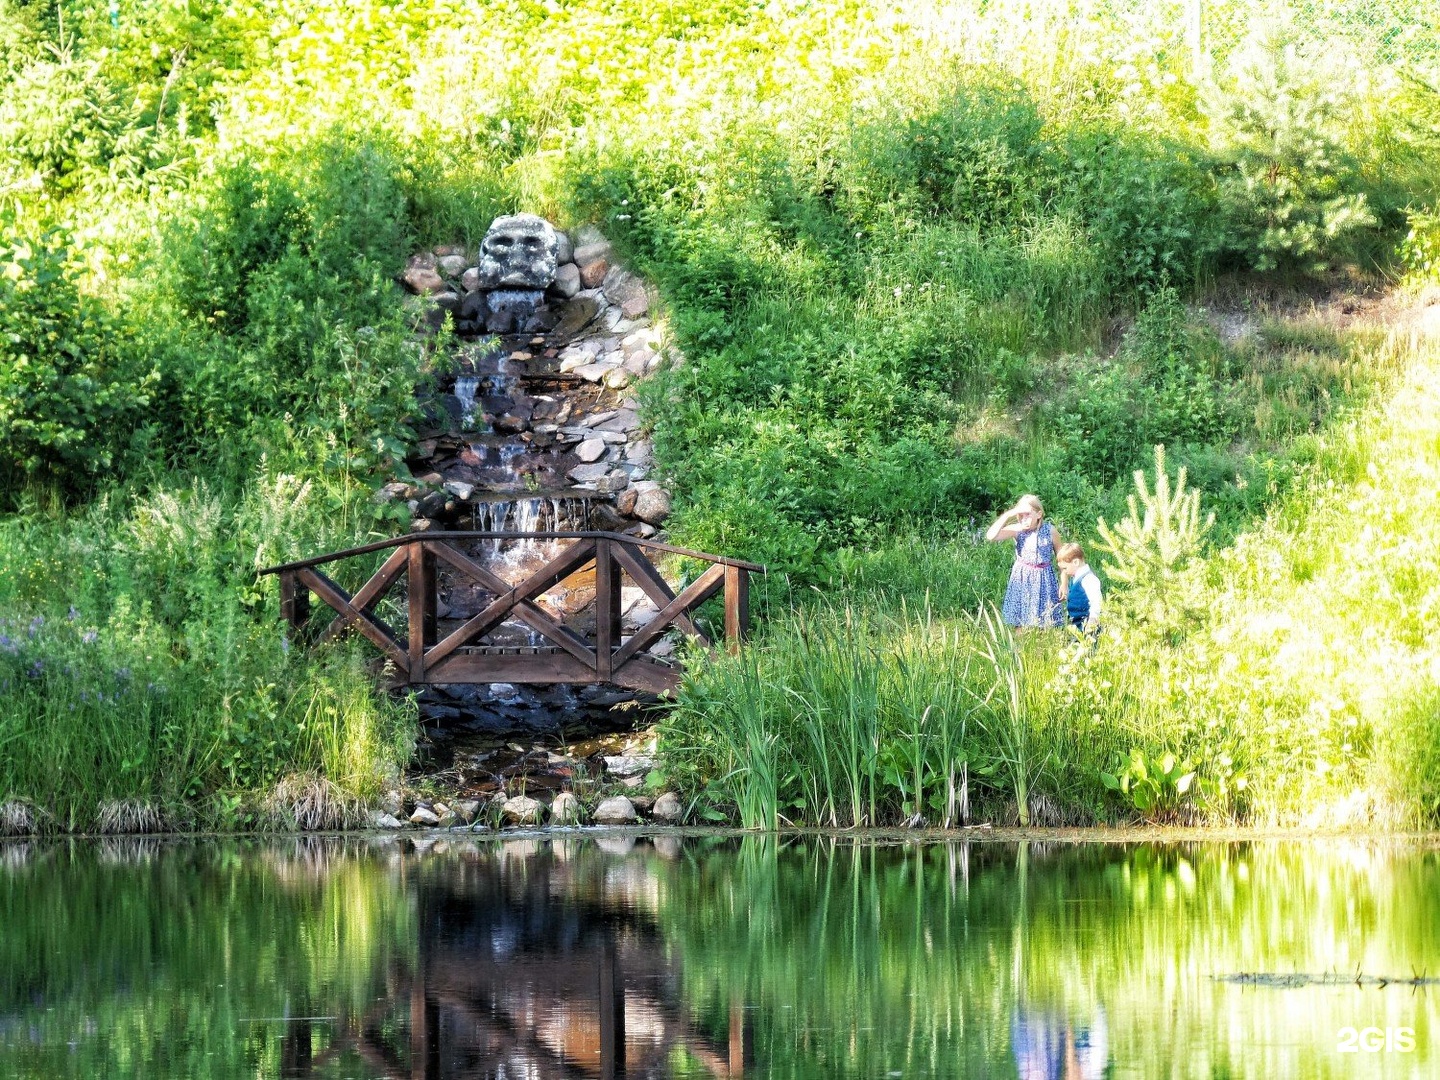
(421, 585)
(607, 608)
(373, 629)
(697, 592)
(484, 667)
(737, 606)
(634, 541)
(643, 571)
(508, 601)
(645, 673)
(294, 603)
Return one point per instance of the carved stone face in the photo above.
(518, 252)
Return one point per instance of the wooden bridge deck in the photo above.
(419, 655)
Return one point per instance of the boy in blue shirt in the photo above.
(1079, 591)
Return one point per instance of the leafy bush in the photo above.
(71, 386)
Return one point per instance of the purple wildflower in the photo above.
(89, 637)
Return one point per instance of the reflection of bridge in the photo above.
(536, 974)
(420, 655)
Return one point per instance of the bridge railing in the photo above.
(420, 655)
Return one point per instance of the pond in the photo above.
(702, 956)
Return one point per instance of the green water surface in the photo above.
(586, 956)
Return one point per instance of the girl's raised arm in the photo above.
(999, 530)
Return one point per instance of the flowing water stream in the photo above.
(704, 956)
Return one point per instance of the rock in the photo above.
(475, 308)
(565, 809)
(460, 489)
(664, 647)
(667, 808)
(588, 474)
(423, 816)
(448, 820)
(625, 503)
(590, 450)
(623, 765)
(509, 310)
(633, 781)
(604, 517)
(523, 810)
(564, 248)
(382, 820)
(470, 279)
(567, 281)
(613, 438)
(616, 811)
(589, 234)
(593, 372)
(510, 424)
(653, 506)
(639, 453)
(432, 504)
(452, 266)
(392, 803)
(588, 253)
(593, 273)
(617, 378)
(467, 809)
(518, 252)
(448, 249)
(618, 480)
(447, 301)
(392, 491)
(638, 362)
(422, 280)
(573, 359)
(627, 293)
(642, 803)
(577, 314)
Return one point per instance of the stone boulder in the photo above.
(422, 280)
(518, 252)
(652, 506)
(667, 809)
(565, 809)
(424, 817)
(523, 810)
(616, 811)
(624, 765)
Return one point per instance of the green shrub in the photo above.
(71, 386)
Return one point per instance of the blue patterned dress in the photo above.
(1033, 596)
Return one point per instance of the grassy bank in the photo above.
(1287, 676)
(914, 271)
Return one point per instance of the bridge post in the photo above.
(607, 608)
(294, 602)
(421, 587)
(737, 606)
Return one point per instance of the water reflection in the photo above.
(711, 957)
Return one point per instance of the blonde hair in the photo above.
(1032, 501)
(1070, 553)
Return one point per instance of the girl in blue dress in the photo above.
(1033, 596)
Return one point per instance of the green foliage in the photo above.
(71, 385)
(1155, 551)
(1155, 787)
(1279, 123)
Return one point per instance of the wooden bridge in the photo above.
(421, 655)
